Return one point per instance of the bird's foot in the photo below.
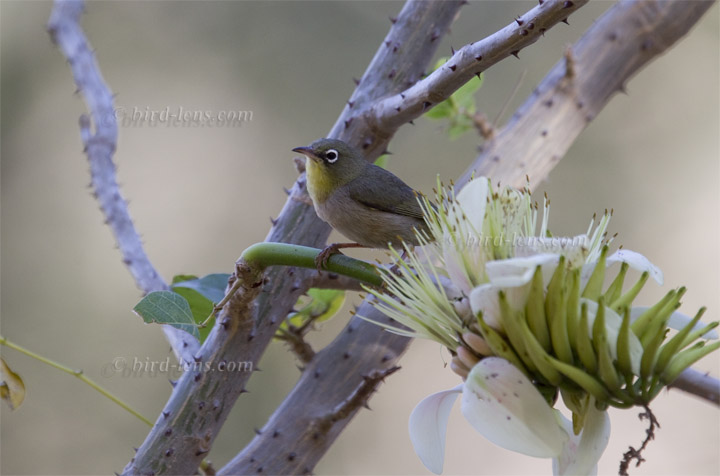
(323, 257)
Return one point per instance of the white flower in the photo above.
(503, 405)
(428, 425)
(581, 454)
(527, 317)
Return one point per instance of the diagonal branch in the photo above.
(620, 43)
(699, 384)
(470, 60)
(66, 32)
(300, 426)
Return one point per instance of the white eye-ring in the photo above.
(331, 156)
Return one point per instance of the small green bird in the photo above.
(364, 202)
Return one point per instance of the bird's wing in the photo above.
(386, 193)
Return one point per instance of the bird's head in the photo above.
(333, 161)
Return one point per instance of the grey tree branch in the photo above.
(359, 397)
(699, 384)
(621, 42)
(326, 280)
(66, 32)
(204, 395)
(299, 432)
(470, 60)
(297, 344)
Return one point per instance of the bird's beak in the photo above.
(308, 152)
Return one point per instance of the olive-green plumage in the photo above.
(364, 202)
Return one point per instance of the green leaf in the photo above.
(202, 294)
(458, 105)
(211, 286)
(200, 308)
(324, 304)
(382, 161)
(458, 129)
(464, 97)
(167, 307)
(12, 388)
(444, 110)
(182, 277)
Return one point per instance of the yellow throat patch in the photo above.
(319, 183)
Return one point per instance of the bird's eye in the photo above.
(331, 156)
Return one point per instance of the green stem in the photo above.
(75, 373)
(273, 254)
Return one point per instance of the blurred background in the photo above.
(199, 196)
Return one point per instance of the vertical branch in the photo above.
(66, 32)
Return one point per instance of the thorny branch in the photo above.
(699, 384)
(327, 280)
(360, 395)
(66, 32)
(201, 400)
(331, 384)
(621, 42)
(294, 337)
(297, 344)
(470, 60)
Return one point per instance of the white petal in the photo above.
(428, 424)
(519, 271)
(473, 200)
(485, 298)
(513, 277)
(503, 405)
(582, 453)
(677, 321)
(638, 262)
(454, 267)
(574, 248)
(613, 321)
